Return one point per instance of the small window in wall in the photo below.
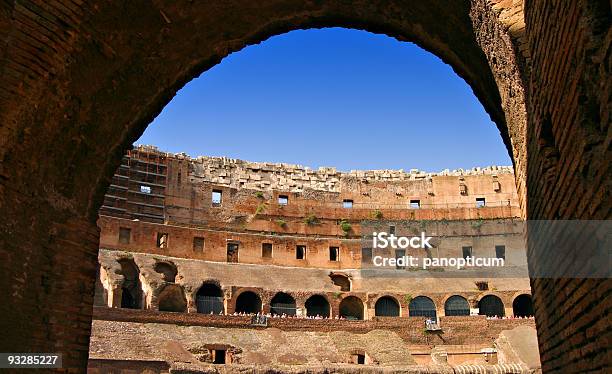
(124, 235)
(283, 199)
(360, 359)
(467, 252)
(217, 195)
(391, 229)
(480, 202)
(145, 189)
(232, 252)
(500, 251)
(415, 204)
(266, 250)
(400, 253)
(162, 240)
(300, 252)
(347, 204)
(218, 356)
(334, 253)
(198, 244)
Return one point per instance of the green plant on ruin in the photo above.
(311, 219)
(408, 298)
(259, 194)
(377, 214)
(477, 224)
(260, 209)
(337, 295)
(281, 222)
(345, 226)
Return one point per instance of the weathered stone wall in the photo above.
(568, 174)
(80, 82)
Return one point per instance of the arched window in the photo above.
(209, 299)
(317, 305)
(456, 306)
(172, 299)
(522, 306)
(422, 306)
(387, 306)
(491, 306)
(282, 303)
(167, 270)
(248, 302)
(131, 289)
(351, 308)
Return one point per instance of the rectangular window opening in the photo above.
(232, 252)
(198, 244)
(216, 197)
(467, 252)
(480, 202)
(500, 251)
(334, 253)
(300, 252)
(124, 235)
(162, 240)
(219, 356)
(266, 250)
(400, 253)
(415, 204)
(283, 199)
(347, 204)
(145, 189)
(391, 229)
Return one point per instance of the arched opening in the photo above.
(248, 302)
(209, 299)
(131, 289)
(351, 308)
(167, 270)
(172, 299)
(456, 306)
(387, 306)
(317, 305)
(342, 281)
(282, 303)
(422, 306)
(491, 306)
(522, 306)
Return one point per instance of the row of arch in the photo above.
(210, 299)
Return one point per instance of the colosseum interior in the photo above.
(80, 81)
(250, 256)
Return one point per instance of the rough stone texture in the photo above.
(80, 82)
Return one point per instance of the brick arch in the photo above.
(73, 76)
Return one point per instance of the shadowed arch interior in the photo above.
(422, 306)
(248, 302)
(209, 299)
(387, 306)
(282, 303)
(522, 306)
(172, 299)
(491, 306)
(456, 306)
(351, 307)
(317, 305)
(131, 289)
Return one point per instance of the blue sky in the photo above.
(331, 97)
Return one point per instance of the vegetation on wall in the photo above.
(311, 219)
(345, 226)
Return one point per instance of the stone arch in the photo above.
(491, 305)
(57, 104)
(352, 307)
(131, 287)
(456, 305)
(248, 302)
(167, 270)
(317, 305)
(172, 299)
(283, 303)
(422, 306)
(387, 306)
(341, 280)
(209, 298)
(522, 306)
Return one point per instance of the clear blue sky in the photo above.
(332, 97)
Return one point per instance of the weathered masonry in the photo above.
(81, 81)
